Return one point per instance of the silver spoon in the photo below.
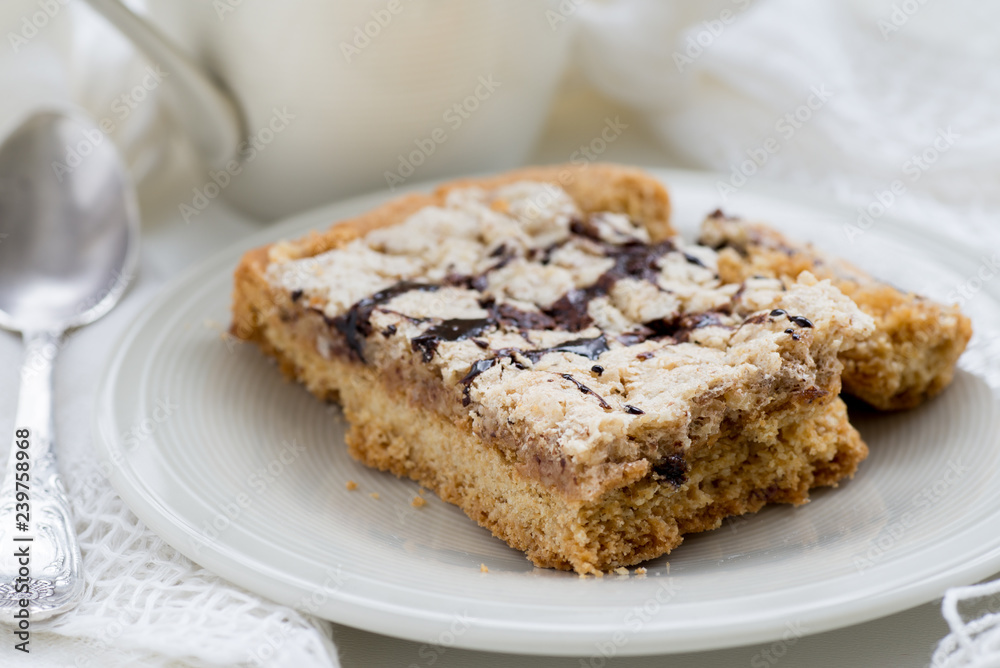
(69, 232)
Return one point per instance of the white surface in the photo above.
(247, 476)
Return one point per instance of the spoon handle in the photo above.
(39, 553)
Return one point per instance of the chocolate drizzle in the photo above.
(456, 329)
(589, 348)
(586, 390)
(480, 282)
(694, 260)
(474, 371)
(679, 329)
(356, 324)
(586, 229)
(519, 319)
(569, 313)
(570, 310)
(632, 260)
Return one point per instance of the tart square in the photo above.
(912, 354)
(540, 350)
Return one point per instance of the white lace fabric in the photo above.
(971, 643)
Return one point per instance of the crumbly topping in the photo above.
(514, 299)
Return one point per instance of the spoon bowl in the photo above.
(69, 232)
(68, 224)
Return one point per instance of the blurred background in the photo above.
(336, 98)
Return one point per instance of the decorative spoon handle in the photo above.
(39, 553)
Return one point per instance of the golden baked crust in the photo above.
(700, 400)
(640, 520)
(917, 342)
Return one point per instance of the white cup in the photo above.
(333, 97)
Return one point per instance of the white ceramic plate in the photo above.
(246, 474)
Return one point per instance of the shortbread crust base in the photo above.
(392, 430)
